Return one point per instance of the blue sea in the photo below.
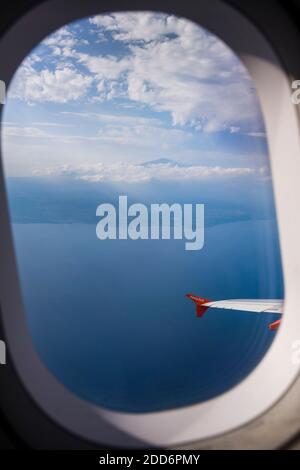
(111, 321)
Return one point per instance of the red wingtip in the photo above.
(199, 301)
(274, 325)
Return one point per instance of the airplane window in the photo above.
(142, 211)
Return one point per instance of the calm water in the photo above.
(111, 321)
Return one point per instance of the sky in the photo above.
(100, 98)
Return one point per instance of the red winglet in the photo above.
(199, 301)
(274, 325)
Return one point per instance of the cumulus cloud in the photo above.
(177, 67)
(139, 27)
(167, 64)
(60, 86)
(63, 41)
(141, 173)
(61, 38)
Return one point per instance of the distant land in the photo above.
(67, 200)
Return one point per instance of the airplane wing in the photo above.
(248, 305)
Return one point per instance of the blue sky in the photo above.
(102, 96)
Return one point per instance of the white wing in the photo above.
(249, 305)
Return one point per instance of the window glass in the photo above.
(137, 172)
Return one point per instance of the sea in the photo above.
(110, 320)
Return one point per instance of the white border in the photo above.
(275, 373)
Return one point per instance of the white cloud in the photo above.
(50, 124)
(31, 132)
(257, 134)
(143, 135)
(132, 26)
(192, 75)
(133, 130)
(108, 68)
(168, 64)
(146, 26)
(116, 130)
(61, 38)
(136, 173)
(116, 118)
(60, 86)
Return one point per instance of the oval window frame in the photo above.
(254, 395)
